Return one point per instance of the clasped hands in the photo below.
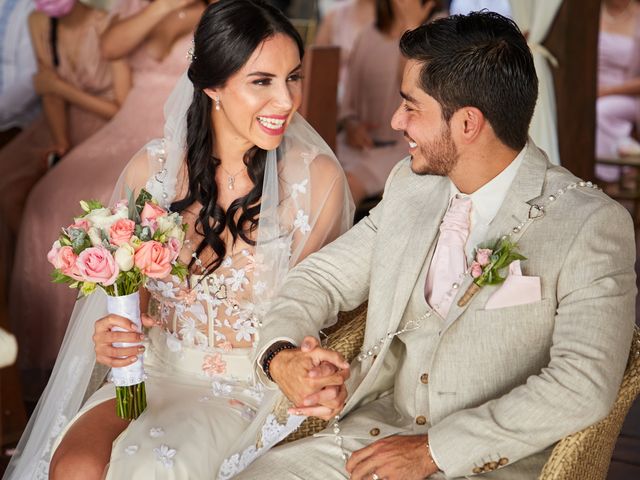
(313, 379)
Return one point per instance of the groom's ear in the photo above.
(468, 123)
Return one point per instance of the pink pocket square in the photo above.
(517, 289)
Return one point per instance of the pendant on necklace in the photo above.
(230, 182)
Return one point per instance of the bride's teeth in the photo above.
(271, 123)
(413, 144)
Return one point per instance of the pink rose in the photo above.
(80, 224)
(153, 259)
(476, 269)
(64, 260)
(150, 213)
(175, 246)
(96, 264)
(483, 256)
(121, 231)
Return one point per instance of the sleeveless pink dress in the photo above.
(39, 309)
(22, 161)
(616, 115)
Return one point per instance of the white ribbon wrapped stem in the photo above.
(127, 306)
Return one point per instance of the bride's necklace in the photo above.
(231, 178)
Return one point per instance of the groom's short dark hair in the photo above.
(480, 60)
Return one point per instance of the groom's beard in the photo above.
(438, 157)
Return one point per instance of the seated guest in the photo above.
(154, 38)
(457, 373)
(341, 26)
(80, 92)
(618, 104)
(18, 100)
(369, 148)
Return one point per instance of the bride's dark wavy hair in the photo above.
(227, 35)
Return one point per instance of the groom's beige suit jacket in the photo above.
(501, 385)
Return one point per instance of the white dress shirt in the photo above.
(486, 201)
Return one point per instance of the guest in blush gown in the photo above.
(80, 92)
(155, 37)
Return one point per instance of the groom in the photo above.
(448, 385)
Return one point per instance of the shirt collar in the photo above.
(488, 199)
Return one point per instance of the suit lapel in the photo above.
(422, 226)
(526, 186)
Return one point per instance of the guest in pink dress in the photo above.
(341, 26)
(618, 104)
(368, 148)
(80, 92)
(156, 37)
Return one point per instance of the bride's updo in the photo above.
(227, 35)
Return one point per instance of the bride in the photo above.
(259, 191)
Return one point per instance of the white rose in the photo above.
(165, 224)
(94, 236)
(102, 217)
(176, 232)
(124, 257)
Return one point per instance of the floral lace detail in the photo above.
(164, 455)
(302, 222)
(131, 449)
(214, 365)
(216, 310)
(272, 432)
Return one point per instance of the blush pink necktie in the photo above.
(449, 259)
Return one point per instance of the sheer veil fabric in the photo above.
(305, 204)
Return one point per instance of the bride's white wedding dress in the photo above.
(208, 415)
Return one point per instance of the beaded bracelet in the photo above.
(275, 349)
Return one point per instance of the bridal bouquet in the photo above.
(117, 249)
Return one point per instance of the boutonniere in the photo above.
(488, 264)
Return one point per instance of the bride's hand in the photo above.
(104, 336)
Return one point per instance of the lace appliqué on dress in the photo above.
(272, 432)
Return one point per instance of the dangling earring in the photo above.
(217, 103)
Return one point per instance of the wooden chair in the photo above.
(584, 455)
(320, 91)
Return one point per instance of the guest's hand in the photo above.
(358, 134)
(104, 336)
(46, 81)
(312, 378)
(398, 457)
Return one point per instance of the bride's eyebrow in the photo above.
(271, 75)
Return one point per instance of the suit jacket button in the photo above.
(374, 432)
(493, 465)
(477, 470)
(503, 461)
(421, 420)
(424, 378)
